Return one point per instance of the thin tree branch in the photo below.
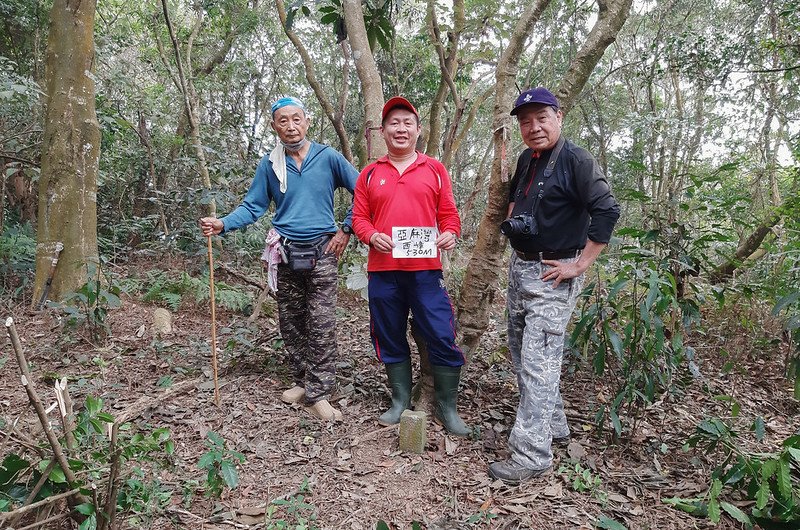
(33, 397)
(20, 159)
(44, 502)
(316, 86)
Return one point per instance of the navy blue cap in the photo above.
(539, 95)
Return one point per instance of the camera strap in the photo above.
(548, 171)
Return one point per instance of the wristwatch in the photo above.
(347, 229)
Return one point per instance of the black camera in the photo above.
(519, 225)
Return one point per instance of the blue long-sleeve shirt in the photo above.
(305, 211)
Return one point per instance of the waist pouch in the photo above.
(303, 255)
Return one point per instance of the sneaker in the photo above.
(513, 473)
(293, 395)
(324, 411)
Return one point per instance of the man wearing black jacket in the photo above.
(561, 216)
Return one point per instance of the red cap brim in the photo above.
(395, 102)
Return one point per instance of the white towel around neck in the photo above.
(278, 159)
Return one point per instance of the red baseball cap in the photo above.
(395, 102)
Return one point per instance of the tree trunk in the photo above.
(479, 286)
(335, 117)
(750, 245)
(447, 65)
(70, 151)
(367, 70)
(481, 277)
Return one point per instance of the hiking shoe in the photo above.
(293, 395)
(324, 411)
(513, 473)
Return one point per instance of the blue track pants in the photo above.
(392, 294)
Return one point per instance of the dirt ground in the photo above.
(351, 475)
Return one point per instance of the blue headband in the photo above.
(288, 102)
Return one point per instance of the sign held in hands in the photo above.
(414, 241)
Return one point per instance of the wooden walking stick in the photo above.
(213, 320)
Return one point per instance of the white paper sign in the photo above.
(414, 241)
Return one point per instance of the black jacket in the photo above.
(576, 202)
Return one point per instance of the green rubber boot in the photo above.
(400, 383)
(445, 389)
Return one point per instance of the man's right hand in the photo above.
(381, 242)
(211, 226)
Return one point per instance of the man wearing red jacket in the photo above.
(405, 211)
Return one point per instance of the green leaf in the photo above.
(785, 301)
(760, 428)
(93, 405)
(87, 508)
(329, 18)
(609, 524)
(89, 524)
(382, 525)
(795, 453)
(207, 460)
(784, 479)
(713, 511)
(105, 417)
(229, 474)
(599, 361)
(716, 488)
(112, 300)
(736, 513)
(215, 439)
(57, 476)
(615, 421)
(12, 464)
(616, 342)
(290, 19)
(730, 166)
(762, 495)
(736, 472)
(382, 39)
(768, 469)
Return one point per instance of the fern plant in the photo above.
(171, 290)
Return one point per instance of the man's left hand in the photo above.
(337, 244)
(446, 240)
(560, 271)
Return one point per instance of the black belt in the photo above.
(539, 256)
(307, 244)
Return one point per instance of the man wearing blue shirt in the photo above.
(300, 177)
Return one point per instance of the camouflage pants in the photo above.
(537, 321)
(307, 317)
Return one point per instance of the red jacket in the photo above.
(421, 197)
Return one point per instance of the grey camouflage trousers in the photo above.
(307, 319)
(537, 320)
